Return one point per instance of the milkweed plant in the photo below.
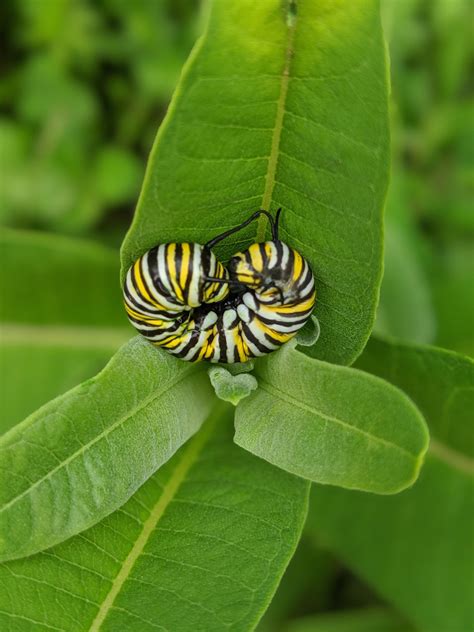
(257, 413)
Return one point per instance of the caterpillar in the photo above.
(181, 298)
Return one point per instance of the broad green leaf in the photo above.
(55, 280)
(360, 620)
(281, 104)
(82, 455)
(39, 363)
(405, 310)
(416, 549)
(332, 424)
(452, 277)
(440, 382)
(61, 301)
(201, 546)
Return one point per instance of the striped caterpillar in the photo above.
(181, 298)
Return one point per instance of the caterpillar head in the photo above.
(273, 270)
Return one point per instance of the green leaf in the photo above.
(201, 546)
(61, 317)
(375, 619)
(231, 388)
(416, 549)
(281, 104)
(83, 455)
(332, 424)
(75, 282)
(39, 363)
(452, 277)
(440, 382)
(405, 310)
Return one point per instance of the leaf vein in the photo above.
(148, 400)
(299, 404)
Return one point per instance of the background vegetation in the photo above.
(85, 86)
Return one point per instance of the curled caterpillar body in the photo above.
(165, 284)
(182, 299)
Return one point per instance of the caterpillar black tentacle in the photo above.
(183, 299)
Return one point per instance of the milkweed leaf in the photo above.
(281, 105)
(82, 455)
(201, 545)
(332, 424)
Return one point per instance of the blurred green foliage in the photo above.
(85, 85)
(427, 295)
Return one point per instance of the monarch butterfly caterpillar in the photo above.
(181, 298)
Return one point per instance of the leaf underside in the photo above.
(82, 455)
(331, 424)
(201, 546)
(61, 317)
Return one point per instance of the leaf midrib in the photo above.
(452, 457)
(296, 403)
(147, 401)
(188, 459)
(277, 130)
